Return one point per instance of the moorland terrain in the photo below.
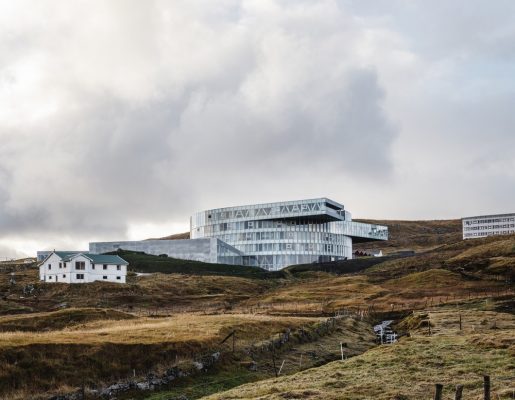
(275, 335)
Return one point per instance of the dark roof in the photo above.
(65, 254)
(105, 259)
(99, 258)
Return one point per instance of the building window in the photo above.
(104, 277)
(80, 265)
(118, 267)
(80, 276)
(49, 266)
(118, 277)
(105, 266)
(64, 276)
(49, 278)
(92, 266)
(60, 265)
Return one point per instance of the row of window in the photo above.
(286, 225)
(281, 235)
(77, 276)
(272, 210)
(275, 262)
(480, 234)
(486, 227)
(292, 247)
(81, 266)
(489, 221)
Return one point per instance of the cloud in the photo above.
(114, 114)
(119, 112)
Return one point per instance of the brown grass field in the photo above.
(51, 359)
(410, 368)
(52, 337)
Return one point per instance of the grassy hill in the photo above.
(415, 235)
(409, 369)
(145, 263)
(156, 321)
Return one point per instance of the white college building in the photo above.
(488, 225)
(76, 267)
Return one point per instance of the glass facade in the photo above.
(275, 235)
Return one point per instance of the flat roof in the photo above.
(276, 203)
(490, 216)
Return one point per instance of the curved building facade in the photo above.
(275, 235)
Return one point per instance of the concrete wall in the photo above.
(185, 249)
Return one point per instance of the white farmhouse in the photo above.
(76, 267)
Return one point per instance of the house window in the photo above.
(49, 278)
(80, 265)
(118, 277)
(80, 276)
(49, 266)
(118, 267)
(105, 277)
(64, 276)
(60, 265)
(92, 266)
(105, 266)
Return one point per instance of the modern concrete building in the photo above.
(275, 235)
(72, 267)
(488, 225)
(210, 250)
(270, 236)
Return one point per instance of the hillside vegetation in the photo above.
(52, 336)
(415, 235)
(409, 369)
(146, 263)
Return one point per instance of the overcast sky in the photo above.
(119, 119)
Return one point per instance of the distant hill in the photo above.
(176, 236)
(414, 235)
(403, 235)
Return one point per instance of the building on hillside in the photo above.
(488, 225)
(270, 236)
(275, 235)
(210, 250)
(77, 267)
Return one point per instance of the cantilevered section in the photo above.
(274, 235)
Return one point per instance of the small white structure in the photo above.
(73, 267)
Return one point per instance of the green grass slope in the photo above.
(141, 262)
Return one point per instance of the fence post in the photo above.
(487, 387)
(459, 392)
(460, 321)
(438, 391)
(280, 369)
(273, 361)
